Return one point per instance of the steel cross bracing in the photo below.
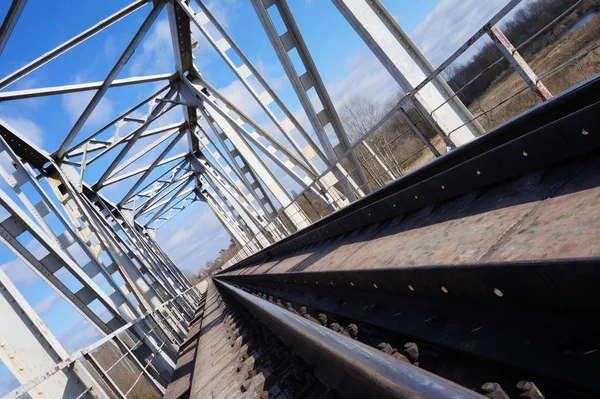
(244, 173)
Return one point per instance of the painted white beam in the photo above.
(75, 88)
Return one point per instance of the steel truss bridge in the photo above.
(472, 276)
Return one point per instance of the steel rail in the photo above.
(462, 308)
(353, 369)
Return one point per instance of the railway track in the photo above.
(436, 286)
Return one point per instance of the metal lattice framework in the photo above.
(230, 162)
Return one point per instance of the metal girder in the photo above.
(56, 260)
(159, 204)
(152, 166)
(234, 231)
(170, 204)
(237, 192)
(142, 152)
(164, 191)
(66, 239)
(319, 119)
(28, 349)
(75, 88)
(10, 21)
(240, 174)
(408, 66)
(146, 194)
(244, 72)
(97, 145)
(144, 169)
(137, 39)
(119, 119)
(229, 197)
(155, 114)
(232, 131)
(165, 206)
(69, 44)
(171, 216)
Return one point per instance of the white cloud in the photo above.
(194, 239)
(450, 24)
(75, 103)
(156, 55)
(237, 94)
(19, 273)
(223, 10)
(79, 336)
(46, 304)
(366, 77)
(26, 127)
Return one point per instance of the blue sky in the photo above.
(195, 236)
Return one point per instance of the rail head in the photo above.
(352, 368)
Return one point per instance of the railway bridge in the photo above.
(449, 250)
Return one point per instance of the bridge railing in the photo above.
(405, 138)
(127, 376)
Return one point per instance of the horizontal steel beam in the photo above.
(72, 42)
(75, 88)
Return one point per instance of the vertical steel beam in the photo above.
(283, 44)
(247, 70)
(408, 66)
(520, 65)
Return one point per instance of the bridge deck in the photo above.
(548, 214)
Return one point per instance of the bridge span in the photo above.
(430, 229)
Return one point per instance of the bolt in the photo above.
(386, 348)
(529, 390)
(353, 330)
(493, 390)
(412, 350)
(323, 318)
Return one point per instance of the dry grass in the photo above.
(542, 62)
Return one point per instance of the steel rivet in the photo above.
(410, 287)
(375, 285)
(478, 172)
(443, 188)
(444, 290)
(525, 153)
(416, 197)
(498, 292)
(585, 132)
